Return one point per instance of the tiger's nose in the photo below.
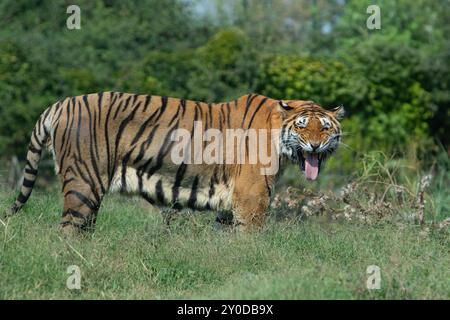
(314, 146)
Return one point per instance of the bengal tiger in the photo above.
(114, 141)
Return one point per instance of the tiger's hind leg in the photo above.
(81, 203)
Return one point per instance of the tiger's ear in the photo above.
(284, 105)
(338, 112)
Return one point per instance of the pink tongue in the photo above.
(311, 166)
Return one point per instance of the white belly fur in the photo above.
(222, 198)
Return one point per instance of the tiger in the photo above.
(114, 141)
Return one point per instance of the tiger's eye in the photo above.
(301, 122)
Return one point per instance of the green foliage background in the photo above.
(394, 82)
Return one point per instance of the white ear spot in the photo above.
(301, 122)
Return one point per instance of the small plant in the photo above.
(386, 189)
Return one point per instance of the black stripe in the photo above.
(89, 180)
(22, 198)
(124, 168)
(228, 115)
(66, 151)
(85, 200)
(45, 118)
(222, 117)
(33, 149)
(38, 126)
(46, 112)
(122, 105)
(224, 174)
(112, 99)
(147, 102)
(175, 115)
(256, 111)
(195, 118)
(142, 128)
(162, 108)
(146, 144)
(140, 172)
(123, 178)
(145, 166)
(55, 130)
(132, 103)
(74, 213)
(159, 191)
(95, 136)
(178, 178)
(63, 138)
(28, 183)
(28, 163)
(212, 183)
(193, 196)
(68, 146)
(108, 152)
(147, 197)
(57, 108)
(79, 129)
(66, 182)
(183, 106)
(163, 151)
(210, 115)
(31, 171)
(200, 110)
(247, 107)
(37, 139)
(99, 105)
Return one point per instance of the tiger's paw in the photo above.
(224, 220)
(69, 229)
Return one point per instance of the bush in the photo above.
(326, 82)
(385, 101)
(396, 102)
(222, 69)
(23, 96)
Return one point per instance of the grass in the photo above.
(133, 255)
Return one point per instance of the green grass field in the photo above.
(133, 254)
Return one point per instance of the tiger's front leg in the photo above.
(251, 199)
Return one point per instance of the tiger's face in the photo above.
(310, 134)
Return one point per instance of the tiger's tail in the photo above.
(38, 140)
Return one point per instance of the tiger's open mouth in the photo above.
(310, 163)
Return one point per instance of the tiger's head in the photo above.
(310, 134)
